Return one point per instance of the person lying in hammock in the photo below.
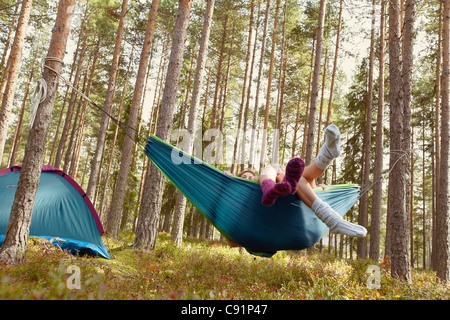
(298, 179)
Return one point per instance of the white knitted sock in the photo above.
(331, 149)
(335, 222)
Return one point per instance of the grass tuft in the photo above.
(203, 270)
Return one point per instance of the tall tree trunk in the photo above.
(18, 133)
(375, 221)
(281, 94)
(113, 219)
(296, 127)
(220, 152)
(407, 69)
(436, 136)
(158, 87)
(315, 84)
(424, 196)
(180, 206)
(249, 90)
(219, 76)
(269, 90)
(109, 98)
(364, 201)
(7, 42)
(14, 62)
(443, 197)
(68, 89)
(68, 157)
(336, 56)
(411, 202)
(244, 91)
(13, 250)
(71, 107)
(258, 84)
(308, 101)
(152, 121)
(146, 231)
(399, 219)
(319, 123)
(92, 72)
(116, 131)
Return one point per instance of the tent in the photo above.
(62, 212)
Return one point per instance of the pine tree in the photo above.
(13, 68)
(115, 213)
(443, 196)
(398, 223)
(315, 84)
(13, 250)
(180, 206)
(95, 168)
(147, 228)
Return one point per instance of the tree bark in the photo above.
(116, 132)
(424, 195)
(92, 72)
(241, 116)
(308, 101)
(180, 206)
(258, 84)
(315, 84)
(71, 107)
(14, 62)
(407, 66)
(249, 90)
(18, 133)
(7, 42)
(13, 250)
(437, 135)
(113, 219)
(336, 56)
(399, 220)
(364, 201)
(443, 196)
(262, 161)
(95, 167)
(66, 94)
(280, 96)
(375, 221)
(407, 69)
(146, 231)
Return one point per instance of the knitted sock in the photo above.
(335, 222)
(293, 172)
(271, 190)
(331, 149)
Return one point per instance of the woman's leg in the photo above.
(307, 183)
(289, 183)
(329, 151)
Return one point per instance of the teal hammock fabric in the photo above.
(233, 205)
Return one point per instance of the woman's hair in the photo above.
(246, 170)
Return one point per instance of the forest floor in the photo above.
(204, 270)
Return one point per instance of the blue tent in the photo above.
(62, 212)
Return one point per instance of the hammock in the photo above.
(233, 205)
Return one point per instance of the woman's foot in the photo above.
(335, 222)
(272, 190)
(331, 149)
(293, 173)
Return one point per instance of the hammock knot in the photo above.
(39, 95)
